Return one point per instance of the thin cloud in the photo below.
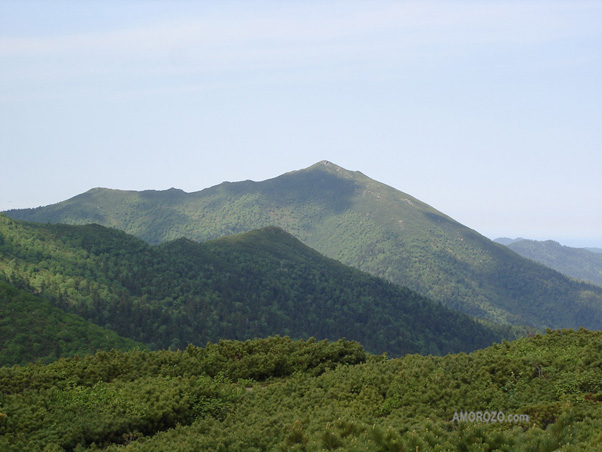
(339, 26)
(292, 42)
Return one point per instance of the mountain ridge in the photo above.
(578, 263)
(361, 222)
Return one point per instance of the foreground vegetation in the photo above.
(252, 285)
(276, 394)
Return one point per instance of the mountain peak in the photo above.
(333, 168)
(330, 166)
(359, 221)
(327, 163)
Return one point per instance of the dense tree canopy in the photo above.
(32, 329)
(279, 394)
(362, 223)
(578, 263)
(240, 287)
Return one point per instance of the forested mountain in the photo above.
(579, 263)
(32, 329)
(238, 287)
(360, 222)
(541, 393)
(594, 250)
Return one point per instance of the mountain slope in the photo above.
(32, 329)
(360, 222)
(577, 263)
(252, 285)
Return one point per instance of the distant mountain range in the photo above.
(347, 216)
(256, 284)
(507, 240)
(580, 263)
(593, 250)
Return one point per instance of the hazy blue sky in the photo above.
(490, 111)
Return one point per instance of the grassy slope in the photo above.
(32, 329)
(254, 285)
(361, 222)
(275, 394)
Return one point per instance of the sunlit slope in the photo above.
(255, 284)
(361, 222)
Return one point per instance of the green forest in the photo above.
(250, 340)
(278, 394)
(33, 329)
(578, 263)
(360, 222)
(239, 287)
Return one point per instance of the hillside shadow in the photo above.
(331, 192)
